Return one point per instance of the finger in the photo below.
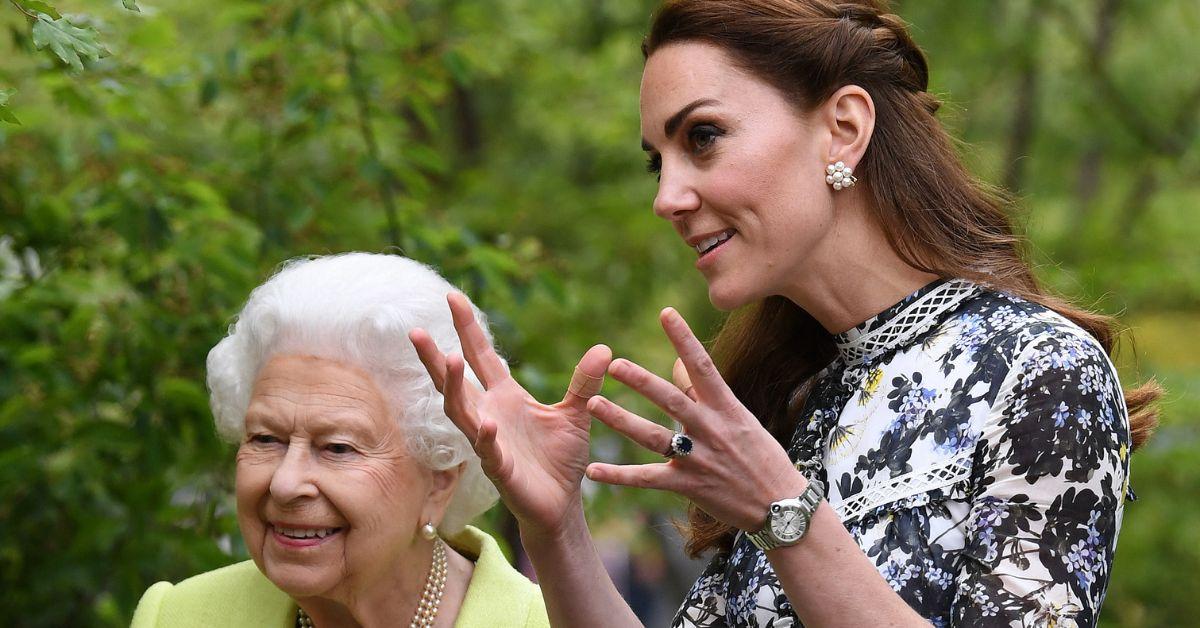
(708, 383)
(491, 457)
(458, 402)
(657, 476)
(681, 379)
(433, 359)
(588, 376)
(640, 430)
(478, 350)
(658, 390)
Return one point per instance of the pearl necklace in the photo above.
(431, 597)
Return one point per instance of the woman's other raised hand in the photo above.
(736, 468)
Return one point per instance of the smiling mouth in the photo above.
(706, 245)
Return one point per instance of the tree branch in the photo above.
(1025, 110)
(28, 14)
(1127, 111)
(363, 107)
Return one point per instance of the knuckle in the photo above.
(677, 404)
(644, 478)
(705, 367)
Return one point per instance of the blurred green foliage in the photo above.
(159, 160)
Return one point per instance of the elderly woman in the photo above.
(353, 487)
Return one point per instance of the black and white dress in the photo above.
(976, 446)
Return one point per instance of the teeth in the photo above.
(707, 244)
(306, 533)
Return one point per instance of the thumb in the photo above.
(588, 376)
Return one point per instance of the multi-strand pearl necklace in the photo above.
(431, 597)
(435, 583)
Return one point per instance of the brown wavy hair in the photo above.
(937, 216)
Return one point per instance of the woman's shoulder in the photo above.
(998, 334)
(1056, 403)
(498, 595)
(236, 595)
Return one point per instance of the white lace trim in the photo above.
(942, 474)
(914, 319)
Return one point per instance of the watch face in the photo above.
(788, 524)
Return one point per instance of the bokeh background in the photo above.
(158, 158)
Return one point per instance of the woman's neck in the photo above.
(392, 601)
(854, 274)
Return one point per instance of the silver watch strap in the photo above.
(762, 539)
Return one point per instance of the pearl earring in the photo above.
(428, 531)
(840, 176)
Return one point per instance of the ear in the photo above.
(849, 115)
(441, 490)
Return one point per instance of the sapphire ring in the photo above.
(680, 446)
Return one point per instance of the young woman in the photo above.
(900, 426)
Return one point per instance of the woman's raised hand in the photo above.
(535, 453)
(736, 468)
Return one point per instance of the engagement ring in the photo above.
(681, 446)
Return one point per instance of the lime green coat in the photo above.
(240, 596)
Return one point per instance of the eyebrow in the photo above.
(343, 421)
(672, 123)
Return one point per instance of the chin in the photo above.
(299, 581)
(728, 300)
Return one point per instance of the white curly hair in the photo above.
(356, 308)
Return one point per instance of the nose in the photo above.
(677, 196)
(293, 478)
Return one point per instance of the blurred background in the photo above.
(158, 158)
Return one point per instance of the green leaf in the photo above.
(37, 6)
(6, 115)
(132, 5)
(67, 41)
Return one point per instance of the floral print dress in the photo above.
(975, 445)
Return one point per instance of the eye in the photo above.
(702, 136)
(264, 439)
(339, 449)
(654, 164)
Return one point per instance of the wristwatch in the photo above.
(787, 520)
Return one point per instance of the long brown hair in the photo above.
(938, 217)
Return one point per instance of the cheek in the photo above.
(763, 177)
(252, 483)
(253, 474)
(380, 495)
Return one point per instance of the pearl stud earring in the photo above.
(428, 531)
(840, 176)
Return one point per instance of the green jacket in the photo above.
(240, 596)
